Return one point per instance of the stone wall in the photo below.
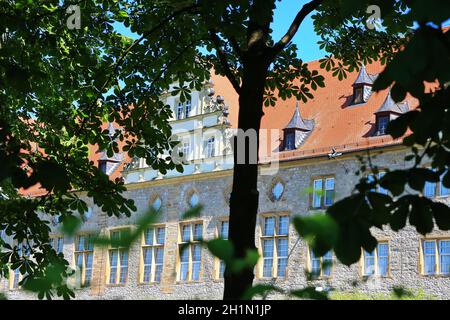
(213, 189)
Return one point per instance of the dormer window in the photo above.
(108, 164)
(290, 141)
(388, 111)
(358, 94)
(362, 87)
(382, 122)
(297, 130)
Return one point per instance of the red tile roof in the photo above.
(338, 124)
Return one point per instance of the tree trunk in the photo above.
(244, 195)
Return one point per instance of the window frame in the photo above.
(55, 238)
(379, 175)
(309, 265)
(378, 122)
(437, 256)
(180, 111)
(15, 274)
(82, 281)
(210, 147)
(376, 262)
(189, 245)
(289, 140)
(155, 245)
(275, 237)
(118, 267)
(324, 179)
(438, 187)
(360, 97)
(218, 262)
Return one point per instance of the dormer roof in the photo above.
(389, 105)
(364, 77)
(297, 122)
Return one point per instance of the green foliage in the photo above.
(396, 294)
(420, 65)
(320, 232)
(60, 85)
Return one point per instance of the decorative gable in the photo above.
(108, 164)
(388, 111)
(297, 130)
(362, 87)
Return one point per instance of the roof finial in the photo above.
(364, 77)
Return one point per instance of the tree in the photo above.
(72, 80)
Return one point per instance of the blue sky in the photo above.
(305, 39)
(285, 12)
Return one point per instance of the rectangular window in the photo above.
(358, 95)
(190, 251)
(186, 149)
(188, 108)
(443, 191)
(436, 189)
(57, 244)
(84, 254)
(317, 193)
(274, 245)
(323, 192)
(430, 189)
(379, 189)
(444, 256)
(436, 257)
(23, 250)
(290, 141)
(118, 260)
(210, 147)
(382, 124)
(180, 111)
(383, 259)
(377, 261)
(153, 254)
(321, 266)
(329, 191)
(223, 234)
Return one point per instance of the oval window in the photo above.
(193, 200)
(156, 204)
(277, 191)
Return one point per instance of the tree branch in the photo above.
(301, 15)
(128, 50)
(223, 61)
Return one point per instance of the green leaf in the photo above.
(309, 293)
(223, 249)
(320, 232)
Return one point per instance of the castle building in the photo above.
(309, 160)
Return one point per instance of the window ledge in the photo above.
(189, 282)
(113, 285)
(149, 283)
(435, 275)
